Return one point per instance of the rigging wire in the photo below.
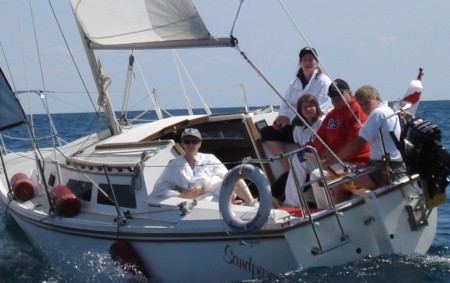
(39, 159)
(237, 15)
(287, 103)
(42, 93)
(25, 67)
(155, 102)
(155, 95)
(323, 66)
(73, 59)
(186, 97)
(340, 93)
(205, 106)
(234, 43)
(7, 66)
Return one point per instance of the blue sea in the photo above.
(21, 262)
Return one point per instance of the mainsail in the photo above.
(11, 113)
(143, 24)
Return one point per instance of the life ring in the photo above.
(255, 175)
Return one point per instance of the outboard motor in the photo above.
(424, 154)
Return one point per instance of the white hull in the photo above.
(200, 248)
(112, 174)
(205, 258)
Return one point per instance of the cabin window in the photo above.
(221, 134)
(83, 190)
(124, 194)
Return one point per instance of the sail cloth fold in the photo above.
(143, 24)
(11, 113)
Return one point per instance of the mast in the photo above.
(138, 24)
(101, 83)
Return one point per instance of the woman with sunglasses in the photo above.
(196, 174)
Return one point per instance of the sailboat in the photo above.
(95, 194)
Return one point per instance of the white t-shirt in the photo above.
(317, 86)
(370, 131)
(179, 176)
(303, 135)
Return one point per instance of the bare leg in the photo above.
(364, 182)
(243, 192)
(277, 148)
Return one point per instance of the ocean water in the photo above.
(21, 262)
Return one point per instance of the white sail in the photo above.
(138, 24)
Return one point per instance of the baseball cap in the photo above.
(337, 86)
(191, 132)
(307, 50)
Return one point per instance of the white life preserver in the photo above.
(255, 175)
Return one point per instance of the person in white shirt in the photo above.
(309, 109)
(309, 79)
(196, 174)
(377, 132)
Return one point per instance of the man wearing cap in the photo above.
(309, 79)
(376, 131)
(339, 128)
(195, 174)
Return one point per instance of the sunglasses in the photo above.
(191, 141)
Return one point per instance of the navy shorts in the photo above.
(268, 133)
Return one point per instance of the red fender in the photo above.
(22, 187)
(66, 203)
(124, 253)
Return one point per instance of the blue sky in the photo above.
(364, 42)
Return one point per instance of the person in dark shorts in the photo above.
(309, 79)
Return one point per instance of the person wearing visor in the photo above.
(309, 79)
(196, 175)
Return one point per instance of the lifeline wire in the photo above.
(309, 45)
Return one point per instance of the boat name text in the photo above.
(245, 264)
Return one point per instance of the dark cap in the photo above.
(191, 132)
(308, 50)
(337, 86)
